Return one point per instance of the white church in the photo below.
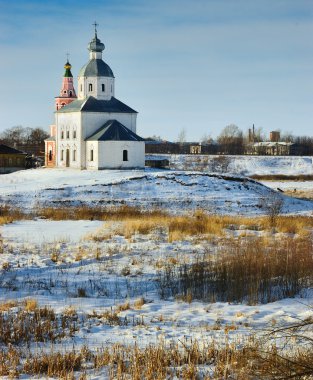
(93, 130)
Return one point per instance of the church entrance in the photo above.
(67, 158)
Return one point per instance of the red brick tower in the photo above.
(67, 94)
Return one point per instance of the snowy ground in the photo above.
(53, 262)
(99, 269)
(174, 191)
(244, 165)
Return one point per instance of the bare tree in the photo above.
(206, 139)
(231, 140)
(181, 138)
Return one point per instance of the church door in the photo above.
(67, 158)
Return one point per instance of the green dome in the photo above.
(96, 68)
(68, 67)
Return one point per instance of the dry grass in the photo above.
(29, 323)
(7, 305)
(95, 213)
(134, 220)
(31, 305)
(123, 307)
(249, 270)
(9, 214)
(138, 304)
(180, 360)
(282, 177)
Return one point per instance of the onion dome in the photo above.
(95, 45)
(68, 67)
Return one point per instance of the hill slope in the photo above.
(175, 191)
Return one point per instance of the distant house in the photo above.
(11, 159)
(270, 148)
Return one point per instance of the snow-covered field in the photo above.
(88, 267)
(99, 268)
(245, 165)
(175, 192)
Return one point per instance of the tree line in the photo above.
(30, 140)
(231, 140)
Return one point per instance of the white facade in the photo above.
(75, 124)
(115, 154)
(98, 87)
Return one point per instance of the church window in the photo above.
(67, 134)
(50, 155)
(62, 134)
(74, 134)
(62, 155)
(74, 155)
(125, 155)
(90, 87)
(91, 155)
(103, 87)
(70, 93)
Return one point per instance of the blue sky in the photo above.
(197, 65)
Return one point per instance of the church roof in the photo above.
(4, 149)
(92, 104)
(96, 68)
(113, 130)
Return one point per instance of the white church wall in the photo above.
(68, 137)
(96, 82)
(92, 159)
(110, 154)
(92, 121)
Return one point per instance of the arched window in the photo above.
(90, 87)
(71, 93)
(74, 155)
(103, 87)
(67, 134)
(50, 155)
(62, 134)
(62, 155)
(125, 155)
(81, 87)
(74, 134)
(91, 155)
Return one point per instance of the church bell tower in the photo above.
(67, 94)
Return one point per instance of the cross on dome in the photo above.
(95, 25)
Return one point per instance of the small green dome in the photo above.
(68, 73)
